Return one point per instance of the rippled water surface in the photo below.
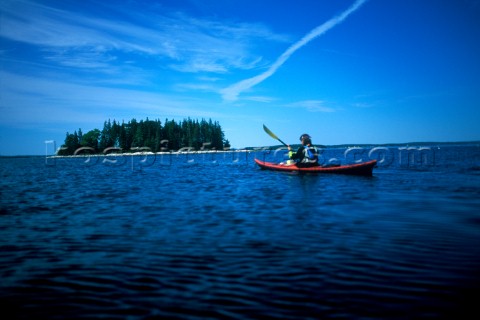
(214, 237)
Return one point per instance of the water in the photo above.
(214, 237)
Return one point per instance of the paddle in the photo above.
(271, 134)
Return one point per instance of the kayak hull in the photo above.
(360, 169)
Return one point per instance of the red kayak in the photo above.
(360, 169)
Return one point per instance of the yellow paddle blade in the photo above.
(270, 133)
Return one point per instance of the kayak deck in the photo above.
(361, 169)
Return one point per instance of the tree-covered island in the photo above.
(148, 135)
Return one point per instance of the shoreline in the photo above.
(151, 153)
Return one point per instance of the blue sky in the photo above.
(344, 71)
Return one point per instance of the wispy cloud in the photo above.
(312, 106)
(232, 92)
(84, 40)
(261, 99)
(28, 100)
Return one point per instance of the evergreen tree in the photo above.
(115, 134)
(106, 137)
(80, 136)
(122, 137)
(71, 144)
(226, 144)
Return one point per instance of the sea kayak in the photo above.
(360, 169)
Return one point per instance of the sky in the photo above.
(343, 71)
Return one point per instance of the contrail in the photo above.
(231, 93)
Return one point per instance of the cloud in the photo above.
(261, 99)
(33, 100)
(312, 106)
(83, 40)
(231, 93)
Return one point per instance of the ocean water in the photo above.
(211, 236)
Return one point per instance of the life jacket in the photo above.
(310, 155)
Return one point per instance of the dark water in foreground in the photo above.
(214, 237)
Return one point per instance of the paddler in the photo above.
(306, 155)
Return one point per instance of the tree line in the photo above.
(148, 135)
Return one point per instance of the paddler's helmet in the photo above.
(306, 139)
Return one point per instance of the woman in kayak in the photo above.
(306, 155)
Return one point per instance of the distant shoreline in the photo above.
(364, 145)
